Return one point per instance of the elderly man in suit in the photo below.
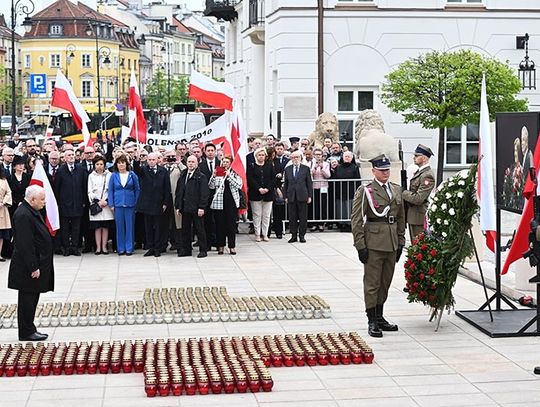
(420, 186)
(298, 191)
(191, 200)
(153, 200)
(71, 192)
(31, 271)
(378, 227)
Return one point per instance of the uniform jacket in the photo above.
(71, 190)
(155, 190)
(218, 185)
(420, 186)
(193, 195)
(381, 236)
(5, 198)
(33, 249)
(124, 196)
(299, 189)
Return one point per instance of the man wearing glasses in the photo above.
(378, 227)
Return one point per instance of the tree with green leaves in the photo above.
(157, 91)
(442, 89)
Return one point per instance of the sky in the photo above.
(5, 5)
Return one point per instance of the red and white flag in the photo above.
(64, 98)
(211, 92)
(239, 148)
(39, 177)
(486, 192)
(137, 122)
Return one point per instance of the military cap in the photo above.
(294, 139)
(423, 150)
(381, 162)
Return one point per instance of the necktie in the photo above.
(295, 171)
(9, 169)
(388, 191)
(70, 168)
(90, 167)
(54, 172)
(211, 166)
(155, 170)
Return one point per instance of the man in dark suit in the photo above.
(298, 191)
(208, 165)
(155, 192)
(31, 271)
(278, 207)
(72, 195)
(87, 162)
(191, 200)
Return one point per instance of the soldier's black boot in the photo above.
(384, 325)
(537, 370)
(373, 328)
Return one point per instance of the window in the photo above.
(27, 59)
(56, 29)
(86, 60)
(53, 84)
(86, 88)
(462, 145)
(129, 63)
(27, 94)
(349, 103)
(55, 60)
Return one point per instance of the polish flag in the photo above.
(211, 92)
(39, 177)
(64, 98)
(486, 193)
(137, 122)
(239, 149)
(520, 243)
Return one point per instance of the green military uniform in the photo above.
(420, 186)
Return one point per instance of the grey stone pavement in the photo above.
(456, 366)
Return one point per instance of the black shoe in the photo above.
(121, 253)
(293, 239)
(105, 253)
(382, 323)
(302, 240)
(127, 254)
(36, 336)
(373, 330)
(75, 252)
(157, 254)
(97, 253)
(202, 255)
(149, 253)
(65, 252)
(183, 254)
(537, 370)
(405, 290)
(279, 236)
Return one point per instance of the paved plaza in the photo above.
(457, 366)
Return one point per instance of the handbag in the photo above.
(94, 206)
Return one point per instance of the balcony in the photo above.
(255, 30)
(221, 9)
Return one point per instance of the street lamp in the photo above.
(168, 49)
(70, 54)
(104, 52)
(17, 8)
(527, 67)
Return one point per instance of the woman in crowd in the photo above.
(5, 203)
(227, 185)
(98, 193)
(124, 190)
(18, 182)
(320, 172)
(261, 180)
(348, 170)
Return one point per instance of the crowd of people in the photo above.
(122, 197)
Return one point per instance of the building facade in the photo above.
(5, 64)
(275, 51)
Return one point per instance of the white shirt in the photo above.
(388, 190)
(123, 178)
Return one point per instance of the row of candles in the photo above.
(173, 305)
(188, 366)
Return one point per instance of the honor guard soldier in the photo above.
(420, 186)
(378, 227)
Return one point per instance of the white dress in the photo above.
(96, 191)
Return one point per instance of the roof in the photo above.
(5, 31)
(181, 27)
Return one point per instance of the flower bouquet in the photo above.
(434, 258)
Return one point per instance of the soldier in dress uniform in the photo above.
(378, 227)
(420, 186)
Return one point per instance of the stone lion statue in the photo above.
(371, 140)
(326, 125)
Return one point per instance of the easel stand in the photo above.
(512, 322)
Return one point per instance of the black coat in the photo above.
(203, 166)
(261, 176)
(194, 195)
(33, 249)
(18, 188)
(298, 189)
(155, 190)
(346, 189)
(71, 190)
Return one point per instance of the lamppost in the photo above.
(17, 8)
(104, 52)
(168, 49)
(70, 54)
(527, 67)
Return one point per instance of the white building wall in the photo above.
(361, 45)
